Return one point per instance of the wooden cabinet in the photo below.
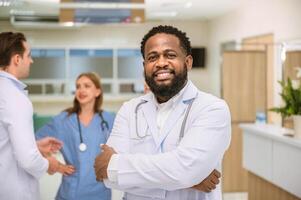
(235, 177)
(272, 161)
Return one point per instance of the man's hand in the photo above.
(66, 170)
(53, 165)
(102, 161)
(209, 183)
(49, 145)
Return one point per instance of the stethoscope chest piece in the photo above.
(82, 147)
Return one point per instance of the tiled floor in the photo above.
(235, 196)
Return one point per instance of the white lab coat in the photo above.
(21, 163)
(155, 167)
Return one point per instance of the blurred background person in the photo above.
(82, 128)
(21, 163)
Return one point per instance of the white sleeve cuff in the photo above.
(113, 168)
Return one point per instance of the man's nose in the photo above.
(162, 62)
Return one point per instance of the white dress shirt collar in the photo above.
(164, 109)
(20, 85)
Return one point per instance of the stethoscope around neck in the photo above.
(183, 122)
(104, 125)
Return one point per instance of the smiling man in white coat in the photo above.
(165, 143)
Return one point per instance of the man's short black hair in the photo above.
(184, 40)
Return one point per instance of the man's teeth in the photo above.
(163, 75)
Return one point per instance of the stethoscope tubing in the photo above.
(104, 125)
(183, 123)
(136, 118)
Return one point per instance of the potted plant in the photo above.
(291, 95)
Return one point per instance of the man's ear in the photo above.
(15, 59)
(188, 61)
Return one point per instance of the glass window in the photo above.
(55, 88)
(106, 87)
(90, 60)
(130, 64)
(57, 71)
(34, 89)
(48, 64)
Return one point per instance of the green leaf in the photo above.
(291, 97)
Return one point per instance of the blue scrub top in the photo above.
(82, 184)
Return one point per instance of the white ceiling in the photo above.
(154, 9)
(188, 9)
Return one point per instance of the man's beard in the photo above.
(167, 91)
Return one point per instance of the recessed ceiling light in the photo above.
(137, 19)
(68, 24)
(5, 3)
(188, 4)
(42, 1)
(22, 12)
(172, 4)
(164, 14)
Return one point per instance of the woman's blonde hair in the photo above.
(98, 101)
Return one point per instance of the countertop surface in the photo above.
(274, 132)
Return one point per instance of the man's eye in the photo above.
(151, 58)
(171, 55)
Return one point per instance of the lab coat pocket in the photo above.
(142, 142)
(143, 145)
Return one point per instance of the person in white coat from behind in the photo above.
(21, 157)
(164, 144)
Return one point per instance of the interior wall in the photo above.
(252, 18)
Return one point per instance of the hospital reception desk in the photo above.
(273, 161)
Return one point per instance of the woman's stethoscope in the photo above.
(104, 125)
(183, 122)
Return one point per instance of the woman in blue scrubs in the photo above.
(81, 128)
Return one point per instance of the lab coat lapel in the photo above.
(172, 119)
(189, 93)
(150, 113)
